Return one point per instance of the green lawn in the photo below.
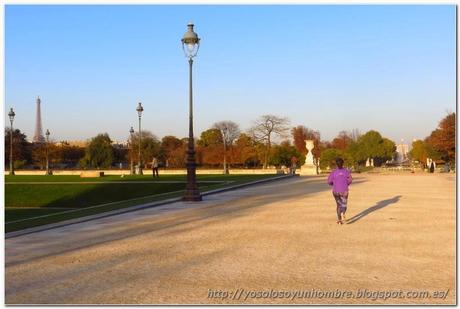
(59, 198)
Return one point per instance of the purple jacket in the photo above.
(339, 179)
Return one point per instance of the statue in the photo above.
(309, 145)
(309, 168)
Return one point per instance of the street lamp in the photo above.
(139, 110)
(190, 45)
(48, 172)
(11, 114)
(131, 132)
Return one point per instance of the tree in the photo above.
(229, 131)
(209, 148)
(67, 155)
(283, 153)
(328, 157)
(120, 153)
(265, 127)
(177, 157)
(342, 141)
(421, 151)
(443, 138)
(99, 152)
(22, 150)
(39, 154)
(387, 152)
(372, 145)
(170, 148)
(245, 151)
(150, 147)
(418, 151)
(210, 137)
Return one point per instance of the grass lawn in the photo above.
(37, 200)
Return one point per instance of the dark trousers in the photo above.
(341, 198)
(155, 172)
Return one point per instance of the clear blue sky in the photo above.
(331, 68)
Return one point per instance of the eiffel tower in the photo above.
(38, 136)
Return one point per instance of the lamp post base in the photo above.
(192, 196)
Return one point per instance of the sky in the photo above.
(390, 68)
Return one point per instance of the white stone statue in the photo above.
(309, 167)
(309, 144)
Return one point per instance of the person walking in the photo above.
(432, 167)
(340, 179)
(293, 164)
(155, 167)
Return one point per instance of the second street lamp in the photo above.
(11, 114)
(139, 110)
(131, 132)
(190, 45)
(48, 172)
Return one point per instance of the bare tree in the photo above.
(230, 131)
(265, 127)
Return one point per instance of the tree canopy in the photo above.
(99, 152)
(443, 138)
(22, 150)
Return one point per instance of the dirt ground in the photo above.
(276, 243)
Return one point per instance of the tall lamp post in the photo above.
(131, 132)
(48, 172)
(139, 110)
(190, 45)
(11, 114)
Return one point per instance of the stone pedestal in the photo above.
(309, 168)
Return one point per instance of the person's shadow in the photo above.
(377, 206)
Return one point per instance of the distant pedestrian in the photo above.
(447, 167)
(340, 179)
(155, 167)
(432, 167)
(293, 164)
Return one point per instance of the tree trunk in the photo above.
(267, 153)
(225, 158)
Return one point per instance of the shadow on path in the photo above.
(377, 206)
(242, 204)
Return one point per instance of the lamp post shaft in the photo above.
(191, 191)
(131, 156)
(11, 148)
(190, 106)
(140, 141)
(47, 156)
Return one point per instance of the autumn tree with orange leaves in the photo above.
(443, 138)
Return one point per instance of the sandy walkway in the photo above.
(276, 238)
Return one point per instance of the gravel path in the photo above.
(252, 245)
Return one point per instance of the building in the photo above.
(402, 152)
